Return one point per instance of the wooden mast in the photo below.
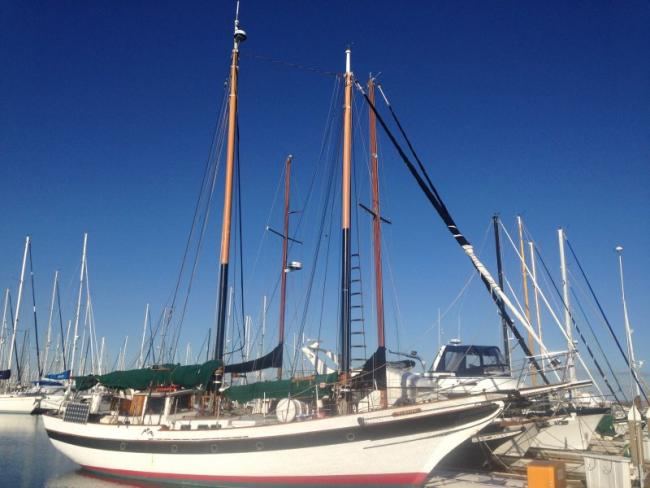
(376, 229)
(285, 248)
(522, 252)
(344, 364)
(239, 37)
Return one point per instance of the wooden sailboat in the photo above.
(166, 439)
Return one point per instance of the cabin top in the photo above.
(470, 360)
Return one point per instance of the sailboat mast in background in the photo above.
(524, 278)
(285, 248)
(12, 346)
(504, 322)
(567, 310)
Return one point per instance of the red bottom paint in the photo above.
(416, 479)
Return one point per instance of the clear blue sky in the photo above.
(107, 111)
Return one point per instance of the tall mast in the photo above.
(538, 314)
(345, 220)
(524, 277)
(259, 373)
(567, 313)
(18, 302)
(376, 228)
(376, 218)
(628, 329)
(144, 335)
(504, 322)
(239, 37)
(101, 357)
(4, 335)
(64, 339)
(36, 341)
(78, 310)
(285, 247)
(48, 339)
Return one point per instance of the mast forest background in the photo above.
(538, 109)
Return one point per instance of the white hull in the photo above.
(394, 447)
(572, 432)
(52, 402)
(10, 403)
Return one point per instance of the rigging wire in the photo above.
(435, 200)
(31, 275)
(462, 291)
(15, 341)
(609, 326)
(330, 140)
(593, 333)
(310, 194)
(240, 214)
(211, 169)
(58, 301)
(287, 64)
(582, 337)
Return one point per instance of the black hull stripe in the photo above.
(373, 432)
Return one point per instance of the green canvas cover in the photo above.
(303, 388)
(606, 426)
(191, 376)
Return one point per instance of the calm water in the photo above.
(27, 459)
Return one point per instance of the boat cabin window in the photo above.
(155, 405)
(183, 403)
(472, 361)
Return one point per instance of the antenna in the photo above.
(240, 34)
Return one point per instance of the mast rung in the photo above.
(354, 254)
(355, 280)
(358, 346)
(357, 333)
(356, 306)
(355, 293)
(359, 359)
(356, 320)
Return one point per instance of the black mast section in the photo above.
(346, 348)
(504, 323)
(239, 36)
(436, 201)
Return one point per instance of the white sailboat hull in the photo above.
(395, 447)
(52, 402)
(572, 432)
(10, 403)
